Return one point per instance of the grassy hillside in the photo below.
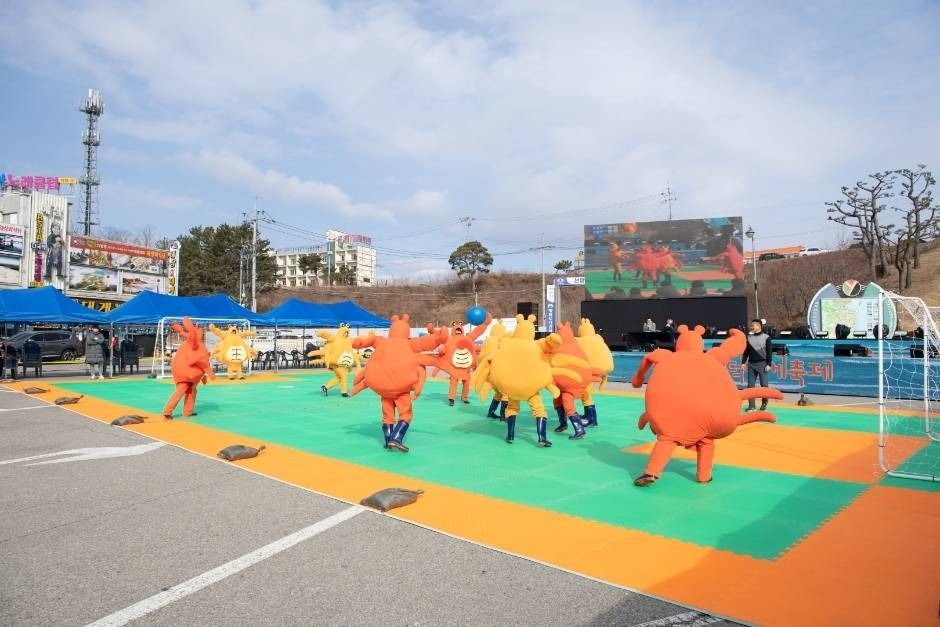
(786, 287)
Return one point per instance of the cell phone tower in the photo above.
(93, 108)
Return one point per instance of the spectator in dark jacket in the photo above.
(94, 351)
(758, 358)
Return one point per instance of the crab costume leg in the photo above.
(662, 452)
(181, 389)
(189, 400)
(705, 454)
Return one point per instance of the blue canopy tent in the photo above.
(150, 308)
(294, 312)
(352, 314)
(45, 304)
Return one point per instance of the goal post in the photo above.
(168, 341)
(909, 391)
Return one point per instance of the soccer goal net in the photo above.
(909, 392)
(168, 341)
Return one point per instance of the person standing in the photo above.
(649, 326)
(94, 351)
(758, 358)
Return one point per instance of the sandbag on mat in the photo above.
(130, 419)
(68, 400)
(390, 498)
(239, 451)
(34, 390)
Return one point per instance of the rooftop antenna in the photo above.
(93, 108)
(668, 197)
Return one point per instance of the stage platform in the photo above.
(798, 526)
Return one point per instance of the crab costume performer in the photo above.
(340, 357)
(457, 356)
(520, 369)
(691, 400)
(615, 259)
(568, 354)
(189, 367)
(646, 264)
(732, 261)
(396, 375)
(668, 260)
(232, 349)
(490, 346)
(600, 358)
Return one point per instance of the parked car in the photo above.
(55, 344)
(812, 251)
(770, 256)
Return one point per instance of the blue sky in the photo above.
(398, 119)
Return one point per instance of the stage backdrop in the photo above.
(614, 318)
(674, 258)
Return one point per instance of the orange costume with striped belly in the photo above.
(190, 366)
(691, 400)
(457, 356)
(395, 373)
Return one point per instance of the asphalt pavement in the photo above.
(123, 522)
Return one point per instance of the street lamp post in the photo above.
(750, 234)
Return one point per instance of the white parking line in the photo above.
(30, 407)
(215, 575)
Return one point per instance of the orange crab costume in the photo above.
(457, 356)
(691, 400)
(646, 263)
(732, 261)
(395, 374)
(520, 369)
(340, 357)
(600, 358)
(668, 260)
(232, 349)
(190, 365)
(569, 355)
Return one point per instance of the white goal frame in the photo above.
(925, 409)
(167, 342)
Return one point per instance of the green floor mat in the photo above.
(745, 511)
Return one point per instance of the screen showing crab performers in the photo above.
(668, 259)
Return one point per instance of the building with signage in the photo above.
(36, 250)
(340, 249)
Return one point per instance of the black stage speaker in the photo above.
(528, 309)
(850, 350)
(803, 333)
(843, 331)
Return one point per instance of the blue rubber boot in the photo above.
(502, 409)
(541, 426)
(494, 405)
(579, 432)
(398, 437)
(590, 412)
(510, 429)
(387, 432)
(562, 419)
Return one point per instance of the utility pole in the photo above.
(667, 197)
(254, 260)
(542, 263)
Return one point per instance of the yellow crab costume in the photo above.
(340, 357)
(489, 348)
(520, 369)
(232, 350)
(600, 358)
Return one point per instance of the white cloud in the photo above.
(128, 198)
(273, 184)
(529, 107)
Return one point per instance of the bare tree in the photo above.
(146, 236)
(922, 213)
(861, 209)
(116, 234)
